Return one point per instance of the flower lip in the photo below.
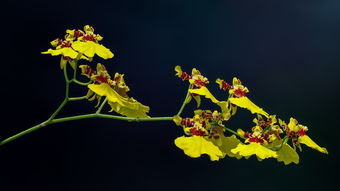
(89, 38)
(196, 131)
(187, 122)
(240, 93)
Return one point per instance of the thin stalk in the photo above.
(184, 102)
(58, 109)
(101, 106)
(76, 98)
(79, 117)
(27, 131)
(75, 69)
(66, 99)
(81, 83)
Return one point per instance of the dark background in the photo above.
(285, 52)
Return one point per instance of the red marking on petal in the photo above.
(247, 134)
(197, 132)
(240, 93)
(78, 33)
(117, 78)
(255, 140)
(65, 44)
(89, 38)
(199, 83)
(301, 132)
(225, 85)
(185, 76)
(101, 79)
(187, 123)
(89, 71)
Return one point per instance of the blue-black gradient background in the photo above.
(286, 52)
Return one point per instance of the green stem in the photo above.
(75, 69)
(184, 102)
(67, 88)
(58, 109)
(27, 131)
(76, 98)
(101, 106)
(81, 83)
(107, 116)
(79, 117)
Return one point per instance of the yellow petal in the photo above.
(105, 90)
(68, 52)
(244, 102)
(122, 105)
(90, 48)
(203, 91)
(87, 48)
(227, 109)
(195, 146)
(287, 155)
(198, 100)
(178, 71)
(257, 149)
(229, 143)
(310, 143)
(103, 52)
(131, 108)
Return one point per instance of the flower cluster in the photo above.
(205, 133)
(115, 90)
(78, 44)
(84, 44)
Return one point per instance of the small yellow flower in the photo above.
(63, 48)
(264, 142)
(88, 45)
(238, 97)
(205, 135)
(198, 82)
(78, 45)
(115, 90)
(297, 133)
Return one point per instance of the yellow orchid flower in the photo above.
(114, 90)
(88, 45)
(78, 45)
(238, 97)
(63, 47)
(205, 136)
(198, 83)
(265, 143)
(297, 133)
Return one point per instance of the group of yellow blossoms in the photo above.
(84, 44)
(205, 132)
